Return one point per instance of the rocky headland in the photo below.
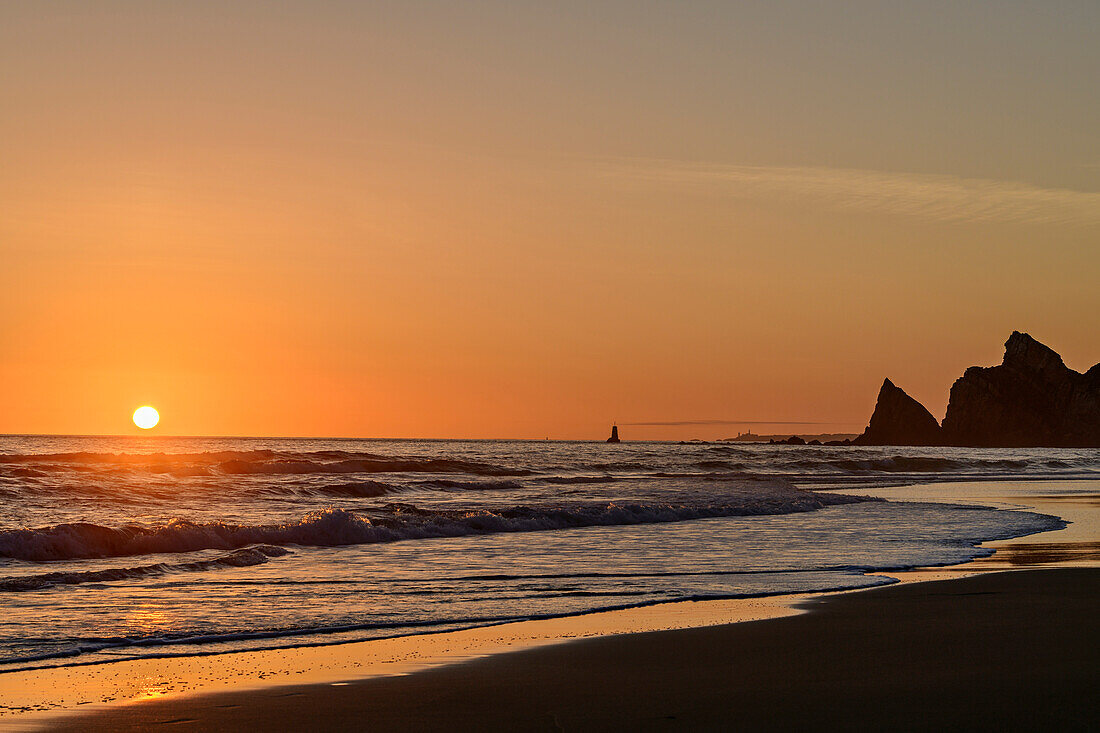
(1030, 400)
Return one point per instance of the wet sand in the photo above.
(1003, 650)
(31, 696)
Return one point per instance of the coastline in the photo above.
(995, 651)
(139, 693)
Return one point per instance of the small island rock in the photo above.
(899, 419)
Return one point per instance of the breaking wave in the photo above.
(392, 522)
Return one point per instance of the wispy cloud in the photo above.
(667, 423)
(935, 197)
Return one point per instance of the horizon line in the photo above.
(404, 438)
(673, 423)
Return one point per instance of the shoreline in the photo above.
(996, 650)
(110, 685)
(115, 688)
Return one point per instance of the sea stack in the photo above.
(614, 434)
(899, 420)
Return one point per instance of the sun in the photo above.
(146, 417)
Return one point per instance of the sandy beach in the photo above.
(1006, 650)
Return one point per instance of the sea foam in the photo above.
(397, 521)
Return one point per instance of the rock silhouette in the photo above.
(899, 419)
(1030, 400)
(614, 434)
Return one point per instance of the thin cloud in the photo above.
(667, 423)
(935, 197)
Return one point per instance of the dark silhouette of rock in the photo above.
(899, 419)
(846, 441)
(793, 440)
(614, 434)
(1031, 399)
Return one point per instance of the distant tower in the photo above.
(614, 434)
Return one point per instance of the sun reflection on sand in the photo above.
(149, 619)
(152, 688)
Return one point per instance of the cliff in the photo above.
(1031, 399)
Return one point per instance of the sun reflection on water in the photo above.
(148, 619)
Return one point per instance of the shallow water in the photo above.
(121, 547)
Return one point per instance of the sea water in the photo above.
(114, 548)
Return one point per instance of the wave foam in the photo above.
(334, 527)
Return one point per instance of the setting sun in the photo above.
(146, 417)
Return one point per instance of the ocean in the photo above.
(120, 547)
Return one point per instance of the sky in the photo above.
(531, 219)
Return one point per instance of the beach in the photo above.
(647, 593)
(996, 651)
(1006, 642)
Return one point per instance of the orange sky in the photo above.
(513, 221)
